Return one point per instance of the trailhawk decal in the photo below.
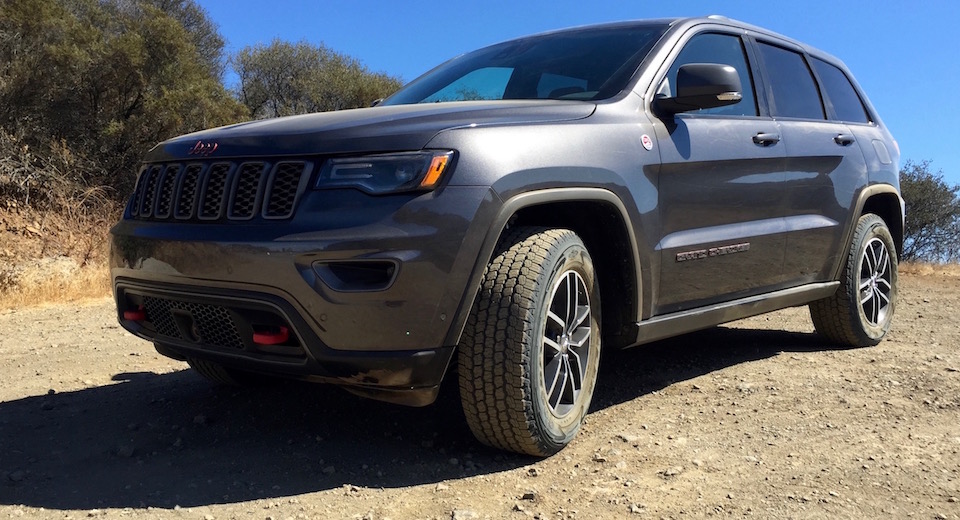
(713, 251)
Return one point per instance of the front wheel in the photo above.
(860, 312)
(529, 354)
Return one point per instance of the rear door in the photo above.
(824, 164)
(720, 188)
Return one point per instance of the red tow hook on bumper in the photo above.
(271, 337)
(139, 314)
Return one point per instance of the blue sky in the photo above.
(904, 54)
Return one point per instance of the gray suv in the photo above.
(514, 211)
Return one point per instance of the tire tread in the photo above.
(495, 385)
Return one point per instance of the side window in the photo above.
(724, 49)
(794, 91)
(846, 102)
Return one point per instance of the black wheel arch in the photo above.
(883, 200)
(602, 221)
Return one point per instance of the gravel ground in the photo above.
(757, 418)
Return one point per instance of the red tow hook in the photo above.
(271, 337)
(136, 315)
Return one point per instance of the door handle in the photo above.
(844, 139)
(766, 139)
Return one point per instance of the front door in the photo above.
(720, 190)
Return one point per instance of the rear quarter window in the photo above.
(847, 105)
(794, 90)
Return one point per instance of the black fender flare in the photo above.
(499, 224)
(866, 194)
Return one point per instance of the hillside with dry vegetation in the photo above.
(88, 86)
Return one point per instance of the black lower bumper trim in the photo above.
(406, 377)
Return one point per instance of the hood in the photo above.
(362, 130)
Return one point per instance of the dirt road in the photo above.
(758, 418)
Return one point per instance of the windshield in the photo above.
(587, 64)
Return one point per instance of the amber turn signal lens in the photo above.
(437, 166)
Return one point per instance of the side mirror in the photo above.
(702, 85)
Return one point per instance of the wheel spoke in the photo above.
(554, 347)
(574, 359)
(884, 286)
(552, 372)
(582, 313)
(571, 386)
(883, 298)
(551, 315)
(580, 337)
(884, 262)
(866, 296)
(874, 308)
(557, 396)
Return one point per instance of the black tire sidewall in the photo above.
(571, 255)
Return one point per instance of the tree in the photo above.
(204, 34)
(932, 230)
(285, 78)
(105, 80)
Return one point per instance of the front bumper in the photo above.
(368, 291)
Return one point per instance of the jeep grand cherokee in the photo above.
(506, 214)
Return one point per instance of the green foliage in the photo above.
(285, 78)
(88, 86)
(103, 81)
(932, 231)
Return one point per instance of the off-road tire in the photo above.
(510, 342)
(845, 318)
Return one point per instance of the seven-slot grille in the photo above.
(219, 190)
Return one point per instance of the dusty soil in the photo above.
(758, 418)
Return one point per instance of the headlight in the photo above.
(388, 173)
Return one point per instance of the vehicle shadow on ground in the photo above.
(173, 439)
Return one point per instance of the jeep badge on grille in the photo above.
(203, 149)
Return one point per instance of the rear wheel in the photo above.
(529, 354)
(860, 312)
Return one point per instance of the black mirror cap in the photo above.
(702, 85)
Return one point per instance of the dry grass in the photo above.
(928, 269)
(53, 280)
(57, 253)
